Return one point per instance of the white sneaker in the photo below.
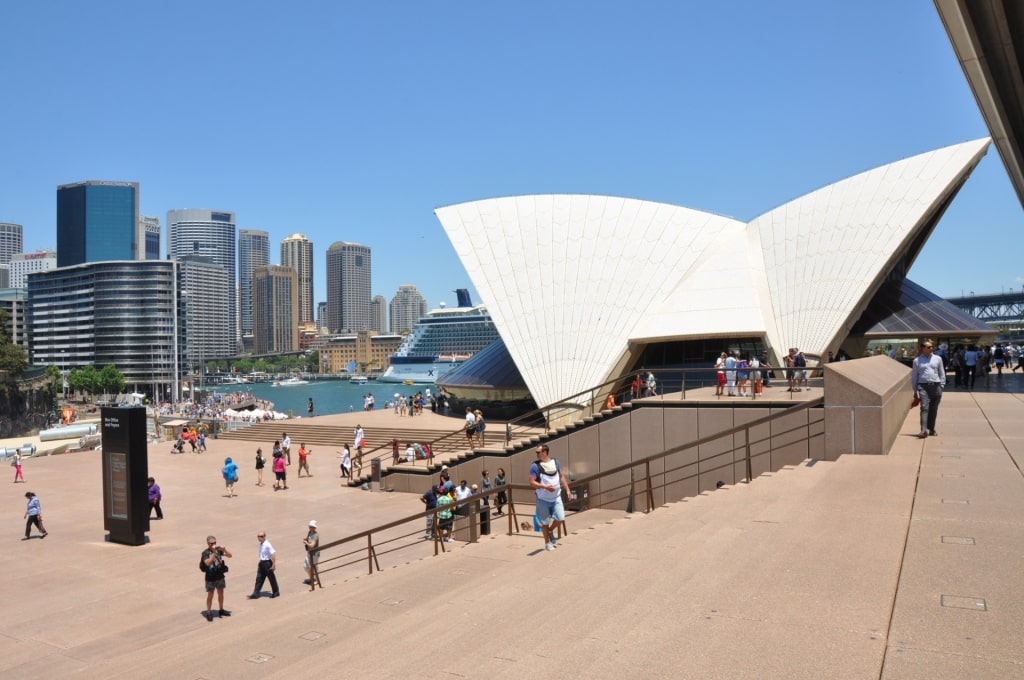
(549, 546)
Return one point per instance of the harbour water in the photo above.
(329, 396)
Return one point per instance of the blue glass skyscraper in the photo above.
(98, 222)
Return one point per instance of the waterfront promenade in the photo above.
(903, 566)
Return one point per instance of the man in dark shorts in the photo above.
(213, 566)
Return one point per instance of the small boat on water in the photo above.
(290, 381)
(359, 380)
(408, 382)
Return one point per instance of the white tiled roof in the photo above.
(572, 280)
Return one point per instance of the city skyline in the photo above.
(694, 105)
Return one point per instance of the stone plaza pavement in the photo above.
(902, 566)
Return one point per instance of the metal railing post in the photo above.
(650, 487)
(750, 468)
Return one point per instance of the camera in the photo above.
(220, 550)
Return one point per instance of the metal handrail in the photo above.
(371, 552)
(595, 397)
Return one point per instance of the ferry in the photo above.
(440, 342)
(359, 380)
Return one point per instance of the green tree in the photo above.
(13, 360)
(313, 361)
(111, 380)
(85, 379)
(243, 366)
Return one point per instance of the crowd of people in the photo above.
(969, 362)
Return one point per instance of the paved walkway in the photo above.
(903, 566)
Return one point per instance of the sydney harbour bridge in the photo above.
(1005, 310)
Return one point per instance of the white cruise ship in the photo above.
(440, 342)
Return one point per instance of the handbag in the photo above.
(916, 402)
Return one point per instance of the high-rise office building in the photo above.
(98, 222)
(253, 252)
(11, 241)
(379, 314)
(407, 307)
(297, 253)
(275, 293)
(348, 287)
(15, 302)
(23, 264)
(321, 316)
(206, 233)
(82, 316)
(206, 290)
(151, 233)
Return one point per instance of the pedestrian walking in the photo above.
(286, 447)
(33, 515)
(346, 462)
(304, 459)
(17, 467)
(260, 463)
(312, 545)
(928, 378)
(230, 474)
(547, 479)
(153, 490)
(280, 472)
(265, 568)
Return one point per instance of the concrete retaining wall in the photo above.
(866, 403)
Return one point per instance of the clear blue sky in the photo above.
(353, 121)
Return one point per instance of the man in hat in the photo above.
(547, 479)
(312, 545)
(286, 447)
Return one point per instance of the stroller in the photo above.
(179, 446)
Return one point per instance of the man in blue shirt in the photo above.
(33, 515)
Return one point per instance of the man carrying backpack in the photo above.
(547, 478)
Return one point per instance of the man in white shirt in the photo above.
(266, 567)
(286, 448)
(928, 378)
(462, 492)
